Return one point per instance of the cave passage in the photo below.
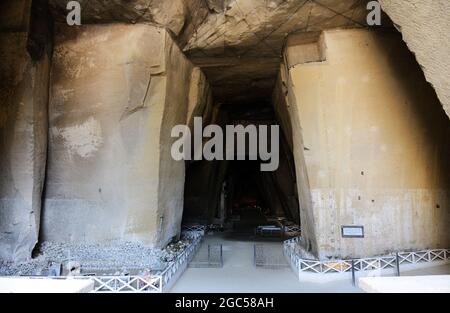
(236, 196)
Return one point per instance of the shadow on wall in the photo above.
(425, 109)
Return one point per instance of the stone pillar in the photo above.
(116, 92)
(374, 143)
(23, 132)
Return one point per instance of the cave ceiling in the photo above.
(237, 43)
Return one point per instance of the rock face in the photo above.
(235, 31)
(178, 16)
(370, 135)
(200, 99)
(23, 134)
(120, 83)
(116, 92)
(425, 26)
(237, 43)
(15, 15)
(226, 27)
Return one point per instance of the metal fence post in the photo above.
(397, 262)
(353, 273)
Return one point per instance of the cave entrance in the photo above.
(236, 196)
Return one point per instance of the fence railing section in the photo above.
(424, 256)
(177, 267)
(195, 228)
(126, 284)
(364, 264)
(292, 229)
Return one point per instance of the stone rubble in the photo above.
(112, 258)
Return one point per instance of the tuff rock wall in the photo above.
(116, 92)
(23, 129)
(425, 26)
(373, 146)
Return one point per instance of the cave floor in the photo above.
(240, 275)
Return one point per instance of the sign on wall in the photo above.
(352, 231)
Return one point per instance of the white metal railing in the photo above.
(292, 229)
(424, 256)
(364, 264)
(195, 228)
(177, 267)
(288, 250)
(126, 284)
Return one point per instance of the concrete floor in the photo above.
(239, 275)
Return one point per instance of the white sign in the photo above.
(352, 231)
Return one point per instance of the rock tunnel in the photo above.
(87, 112)
(216, 192)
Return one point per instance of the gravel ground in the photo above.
(112, 258)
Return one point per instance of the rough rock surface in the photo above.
(233, 30)
(226, 27)
(107, 258)
(237, 43)
(15, 15)
(117, 91)
(373, 142)
(23, 133)
(171, 14)
(425, 26)
(112, 105)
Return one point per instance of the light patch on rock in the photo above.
(84, 139)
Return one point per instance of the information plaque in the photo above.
(352, 231)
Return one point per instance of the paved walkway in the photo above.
(241, 276)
